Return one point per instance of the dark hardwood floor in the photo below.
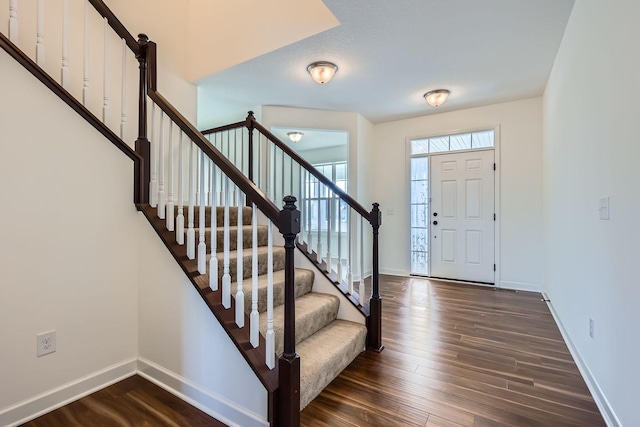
(133, 402)
(459, 355)
(455, 355)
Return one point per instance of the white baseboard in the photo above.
(610, 417)
(208, 402)
(46, 402)
(392, 272)
(520, 286)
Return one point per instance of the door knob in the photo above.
(435, 214)
(435, 222)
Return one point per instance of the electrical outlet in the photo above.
(591, 328)
(45, 343)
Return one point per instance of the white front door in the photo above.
(462, 216)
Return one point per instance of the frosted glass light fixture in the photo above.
(295, 136)
(322, 71)
(437, 97)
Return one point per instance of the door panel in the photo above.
(462, 209)
(449, 199)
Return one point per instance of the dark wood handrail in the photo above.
(62, 93)
(252, 192)
(115, 24)
(295, 156)
(231, 126)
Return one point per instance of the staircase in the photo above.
(289, 333)
(326, 345)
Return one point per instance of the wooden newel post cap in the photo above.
(376, 215)
(289, 217)
(143, 38)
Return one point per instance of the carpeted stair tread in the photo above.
(327, 353)
(278, 262)
(233, 215)
(247, 237)
(313, 312)
(303, 279)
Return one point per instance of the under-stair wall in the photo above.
(68, 252)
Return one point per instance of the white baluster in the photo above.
(153, 147)
(303, 204)
(64, 72)
(40, 34)
(202, 246)
(309, 233)
(255, 316)
(270, 336)
(339, 240)
(191, 233)
(170, 203)
(319, 247)
(180, 217)
(213, 262)
(350, 254)
(209, 191)
(282, 169)
(226, 276)
(123, 97)
(198, 181)
(240, 291)
(161, 196)
(361, 288)
(13, 21)
(105, 80)
(85, 79)
(329, 215)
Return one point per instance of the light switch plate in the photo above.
(604, 208)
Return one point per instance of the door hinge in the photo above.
(494, 267)
(494, 217)
(494, 166)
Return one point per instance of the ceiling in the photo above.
(390, 53)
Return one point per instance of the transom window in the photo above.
(461, 141)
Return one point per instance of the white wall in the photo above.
(591, 151)
(67, 260)
(520, 212)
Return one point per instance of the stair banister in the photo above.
(142, 145)
(289, 363)
(374, 321)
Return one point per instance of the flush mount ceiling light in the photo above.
(322, 71)
(437, 97)
(295, 136)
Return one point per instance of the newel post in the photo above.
(374, 321)
(250, 127)
(143, 172)
(289, 363)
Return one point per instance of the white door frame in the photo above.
(497, 181)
